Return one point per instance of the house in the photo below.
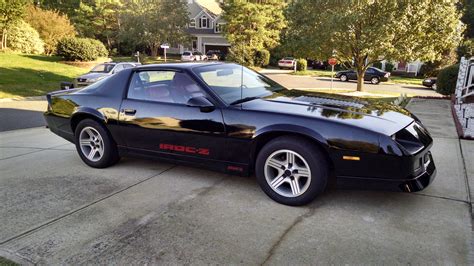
(406, 68)
(205, 27)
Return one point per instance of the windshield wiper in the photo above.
(246, 99)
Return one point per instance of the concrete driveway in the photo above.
(56, 210)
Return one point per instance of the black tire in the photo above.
(375, 80)
(344, 78)
(312, 155)
(110, 155)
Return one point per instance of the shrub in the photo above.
(429, 69)
(446, 81)
(301, 64)
(389, 67)
(262, 58)
(51, 26)
(81, 49)
(377, 65)
(25, 39)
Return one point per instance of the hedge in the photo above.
(446, 81)
(81, 49)
(301, 64)
(262, 58)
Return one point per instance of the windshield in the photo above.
(227, 79)
(103, 68)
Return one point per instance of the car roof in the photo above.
(180, 65)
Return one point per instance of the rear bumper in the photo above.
(57, 126)
(412, 184)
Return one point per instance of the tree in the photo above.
(468, 18)
(368, 31)
(51, 26)
(99, 19)
(252, 26)
(11, 11)
(153, 23)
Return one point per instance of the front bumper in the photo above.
(412, 184)
(427, 84)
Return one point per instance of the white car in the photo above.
(193, 56)
(287, 62)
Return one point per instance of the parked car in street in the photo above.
(214, 55)
(229, 118)
(322, 65)
(101, 71)
(287, 62)
(430, 82)
(193, 56)
(372, 74)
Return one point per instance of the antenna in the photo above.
(242, 74)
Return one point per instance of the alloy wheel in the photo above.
(91, 143)
(287, 173)
(374, 80)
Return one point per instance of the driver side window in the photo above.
(163, 86)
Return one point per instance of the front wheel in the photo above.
(94, 144)
(343, 78)
(291, 171)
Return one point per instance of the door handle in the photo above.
(129, 111)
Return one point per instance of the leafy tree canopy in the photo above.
(51, 26)
(252, 26)
(361, 32)
(155, 22)
(11, 11)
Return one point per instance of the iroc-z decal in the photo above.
(185, 149)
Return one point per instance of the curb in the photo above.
(457, 123)
(17, 99)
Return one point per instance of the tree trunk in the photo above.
(360, 78)
(154, 49)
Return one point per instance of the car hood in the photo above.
(371, 115)
(93, 75)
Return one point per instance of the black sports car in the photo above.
(430, 82)
(372, 74)
(229, 118)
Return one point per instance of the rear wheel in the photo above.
(291, 170)
(343, 78)
(375, 80)
(94, 144)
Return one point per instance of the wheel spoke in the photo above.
(302, 172)
(85, 142)
(91, 154)
(278, 181)
(295, 187)
(290, 158)
(275, 164)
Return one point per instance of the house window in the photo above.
(204, 22)
(192, 23)
(219, 27)
(194, 45)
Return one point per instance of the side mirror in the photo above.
(67, 85)
(202, 102)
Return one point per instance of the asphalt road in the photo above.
(56, 210)
(307, 82)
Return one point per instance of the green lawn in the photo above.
(33, 75)
(406, 80)
(5, 262)
(315, 73)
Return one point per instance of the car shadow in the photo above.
(18, 119)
